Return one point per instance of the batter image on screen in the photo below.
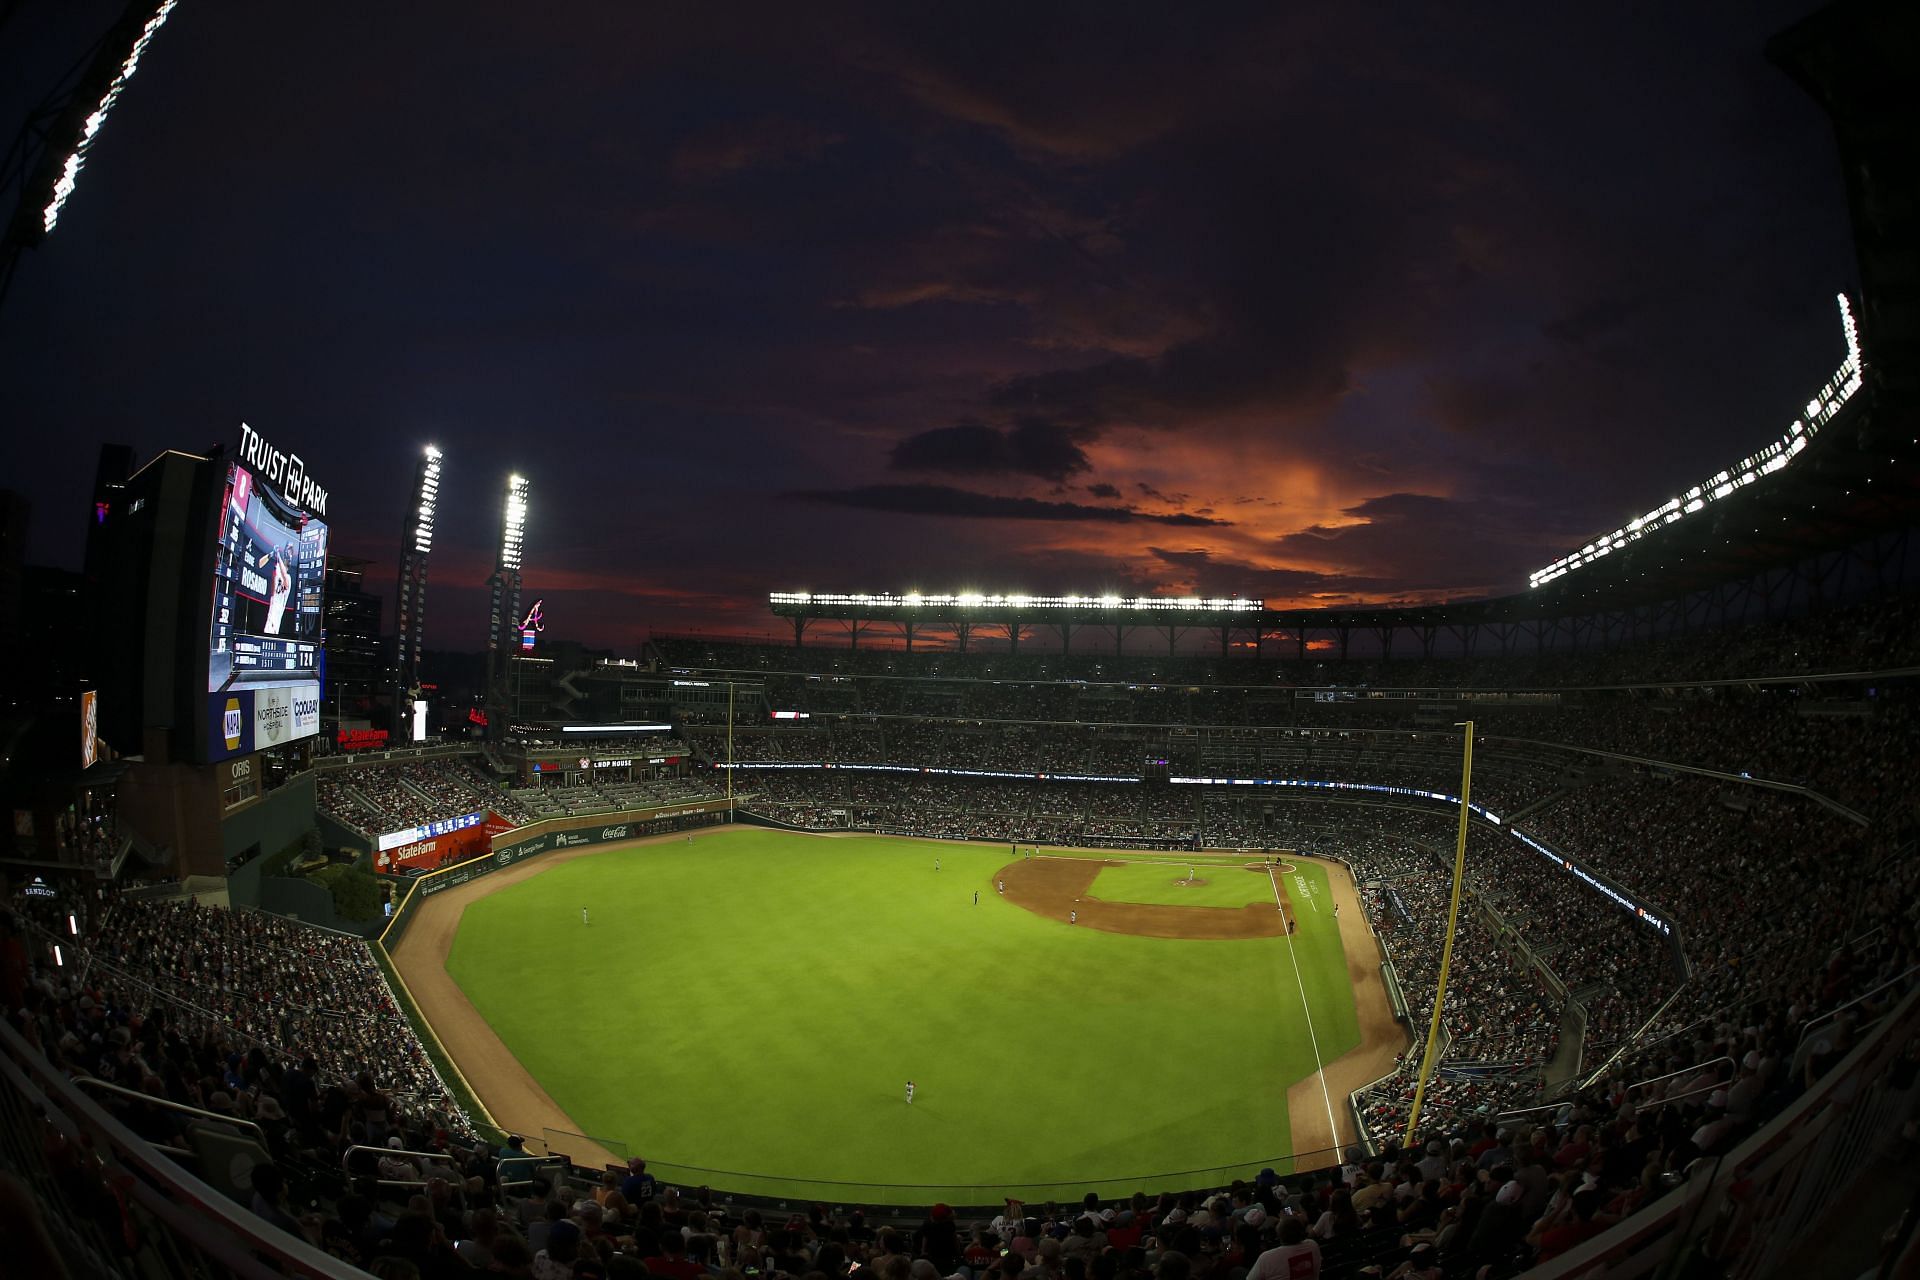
(268, 575)
(282, 587)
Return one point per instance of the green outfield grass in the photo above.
(1160, 883)
(756, 1001)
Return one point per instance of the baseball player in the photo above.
(976, 897)
(936, 864)
(583, 915)
(282, 586)
(1003, 888)
(909, 1093)
(1073, 916)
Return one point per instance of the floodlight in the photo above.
(90, 129)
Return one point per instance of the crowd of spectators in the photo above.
(1882, 634)
(371, 1168)
(652, 744)
(375, 798)
(611, 796)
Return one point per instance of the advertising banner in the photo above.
(230, 729)
(89, 728)
(438, 851)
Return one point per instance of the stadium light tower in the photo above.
(43, 165)
(410, 626)
(502, 636)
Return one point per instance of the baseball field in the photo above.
(745, 1010)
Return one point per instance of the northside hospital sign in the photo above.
(283, 470)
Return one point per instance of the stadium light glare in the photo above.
(513, 531)
(1839, 389)
(70, 172)
(979, 600)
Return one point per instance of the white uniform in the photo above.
(277, 596)
(909, 1093)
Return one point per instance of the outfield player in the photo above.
(583, 915)
(976, 897)
(909, 1093)
(936, 864)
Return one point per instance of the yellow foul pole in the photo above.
(1446, 948)
(729, 744)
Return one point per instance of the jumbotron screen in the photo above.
(269, 576)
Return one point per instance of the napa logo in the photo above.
(230, 724)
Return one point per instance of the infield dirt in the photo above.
(1058, 887)
(1046, 885)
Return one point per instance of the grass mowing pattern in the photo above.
(756, 1001)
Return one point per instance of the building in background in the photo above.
(357, 676)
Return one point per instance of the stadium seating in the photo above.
(1578, 1039)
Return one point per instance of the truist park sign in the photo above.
(285, 471)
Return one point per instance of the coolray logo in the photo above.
(232, 724)
(284, 470)
(613, 833)
(306, 714)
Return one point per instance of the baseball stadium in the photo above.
(961, 933)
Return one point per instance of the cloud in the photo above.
(1432, 544)
(943, 500)
(1034, 447)
(1103, 490)
(1202, 572)
(737, 146)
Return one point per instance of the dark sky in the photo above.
(1305, 302)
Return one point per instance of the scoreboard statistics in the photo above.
(265, 640)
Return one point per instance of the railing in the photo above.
(167, 1104)
(1806, 1028)
(1633, 1041)
(1684, 1071)
(428, 1159)
(73, 1158)
(1739, 1215)
(981, 1199)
